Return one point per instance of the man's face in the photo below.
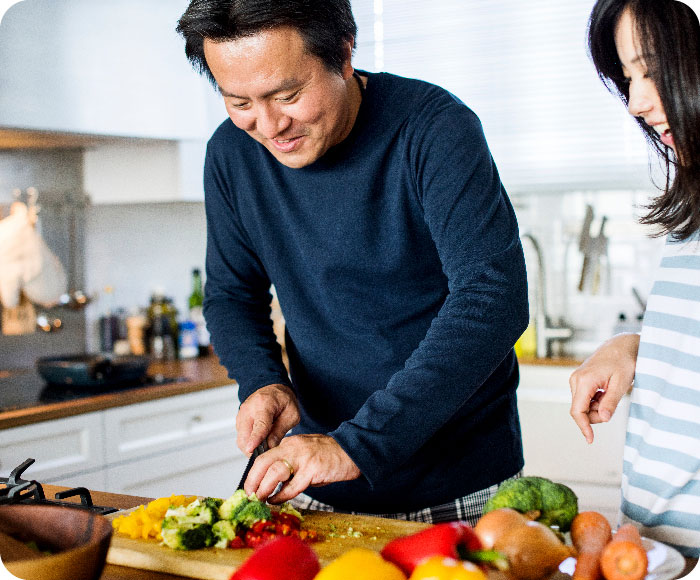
(282, 96)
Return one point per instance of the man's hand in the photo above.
(601, 381)
(298, 462)
(268, 413)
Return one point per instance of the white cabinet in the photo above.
(67, 451)
(108, 68)
(181, 444)
(553, 444)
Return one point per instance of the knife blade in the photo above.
(260, 449)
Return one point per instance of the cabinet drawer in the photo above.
(211, 469)
(157, 426)
(61, 447)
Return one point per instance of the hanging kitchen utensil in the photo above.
(584, 246)
(599, 253)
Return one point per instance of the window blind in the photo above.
(523, 68)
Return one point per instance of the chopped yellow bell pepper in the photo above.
(360, 564)
(443, 568)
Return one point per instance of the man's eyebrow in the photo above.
(284, 86)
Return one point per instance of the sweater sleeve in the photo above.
(237, 293)
(476, 235)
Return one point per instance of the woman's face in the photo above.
(644, 100)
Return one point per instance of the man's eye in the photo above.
(289, 98)
(238, 105)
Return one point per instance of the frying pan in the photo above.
(92, 370)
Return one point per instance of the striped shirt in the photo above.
(661, 472)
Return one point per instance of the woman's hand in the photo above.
(268, 414)
(602, 380)
(298, 462)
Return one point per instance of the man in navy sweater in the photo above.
(372, 203)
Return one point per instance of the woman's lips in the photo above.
(286, 145)
(667, 138)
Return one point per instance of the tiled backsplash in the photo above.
(556, 220)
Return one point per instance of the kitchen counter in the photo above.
(112, 572)
(187, 376)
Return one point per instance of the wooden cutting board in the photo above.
(219, 564)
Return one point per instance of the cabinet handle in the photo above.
(196, 419)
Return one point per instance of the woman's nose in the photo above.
(642, 97)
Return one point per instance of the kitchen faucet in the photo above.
(545, 331)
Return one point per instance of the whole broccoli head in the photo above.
(252, 512)
(224, 531)
(553, 504)
(559, 504)
(519, 494)
(234, 504)
(179, 536)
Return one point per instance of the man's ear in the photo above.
(348, 69)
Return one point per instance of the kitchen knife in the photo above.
(258, 451)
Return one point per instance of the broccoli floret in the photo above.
(553, 504)
(230, 508)
(519, 494)
(204, 511)
(252, 512)
(187, 536)
(288, 508)
(224, 532)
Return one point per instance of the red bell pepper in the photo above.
(284, 557)
(454, 540)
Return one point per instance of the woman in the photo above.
(648, 53)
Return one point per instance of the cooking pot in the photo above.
(92, 370)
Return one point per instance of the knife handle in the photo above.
(259, 450)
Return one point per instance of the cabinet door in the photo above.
(212, 469)
(63, 449)
(174, 423)
(109, 68)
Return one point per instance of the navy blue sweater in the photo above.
(398, 266)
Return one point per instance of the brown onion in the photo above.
(492, 525)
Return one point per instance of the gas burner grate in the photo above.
(18, 490)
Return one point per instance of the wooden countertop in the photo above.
(201, 373)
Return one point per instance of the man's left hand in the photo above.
(298, 462)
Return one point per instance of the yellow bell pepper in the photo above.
(360, 564)
(443, 568)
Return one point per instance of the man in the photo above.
(373, 205)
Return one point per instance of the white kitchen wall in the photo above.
(136, 248)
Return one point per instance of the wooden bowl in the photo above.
(76, 539)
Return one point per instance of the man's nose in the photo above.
(271, 122)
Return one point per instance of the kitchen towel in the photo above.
(26, 262)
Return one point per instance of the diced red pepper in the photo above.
(237, 542)
(284, 557)
(448, 539)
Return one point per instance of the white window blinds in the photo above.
(524, 69)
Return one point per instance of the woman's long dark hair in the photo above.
(669, 35)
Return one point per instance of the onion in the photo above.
(492, 525)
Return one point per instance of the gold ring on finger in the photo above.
(289, 466)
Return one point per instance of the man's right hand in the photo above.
(602, 380)
(268, 413)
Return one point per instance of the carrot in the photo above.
(624, 558)
(590, 532)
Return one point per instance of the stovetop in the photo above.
(15, 490)
(24, 388)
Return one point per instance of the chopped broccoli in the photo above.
(554, 504)
(288, 508)
(230, 508)
(204, 511)
(224, 532)
(252, 512)
(186, 536)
